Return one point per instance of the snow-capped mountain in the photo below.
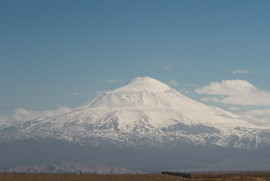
(143, 112)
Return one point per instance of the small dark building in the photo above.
(185, 175)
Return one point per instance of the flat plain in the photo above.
(132, 177)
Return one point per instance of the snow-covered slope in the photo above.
(144, 112)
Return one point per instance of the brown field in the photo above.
(130, 177)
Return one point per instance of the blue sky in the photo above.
(62, 53)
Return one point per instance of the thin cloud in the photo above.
(3, 119)
(187, 63)
(237, 92)
(76, 94)
(263, 114)
(173, 83)
(25, 115)
(243, 71)
(114, 81)
(258, 117)
(167, 68)
(166, 65)
(211, 99)
(235, 108)
(188, 85)
(184, 91)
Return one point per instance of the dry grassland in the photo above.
(138, 177)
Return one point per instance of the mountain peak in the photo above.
(144, 79)
(141, 91)
(149, 84)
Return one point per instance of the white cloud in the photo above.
(243, 71)
(227, 87)
(167, 68)
(75, 93)
(24, 114)
(235, 108)
(173, 83)
(263, 114)
(258, 117)
(238, 92)
(211, 99)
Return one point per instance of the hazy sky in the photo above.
(62, 53)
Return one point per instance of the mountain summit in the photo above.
(141, 91)
(144, 84)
